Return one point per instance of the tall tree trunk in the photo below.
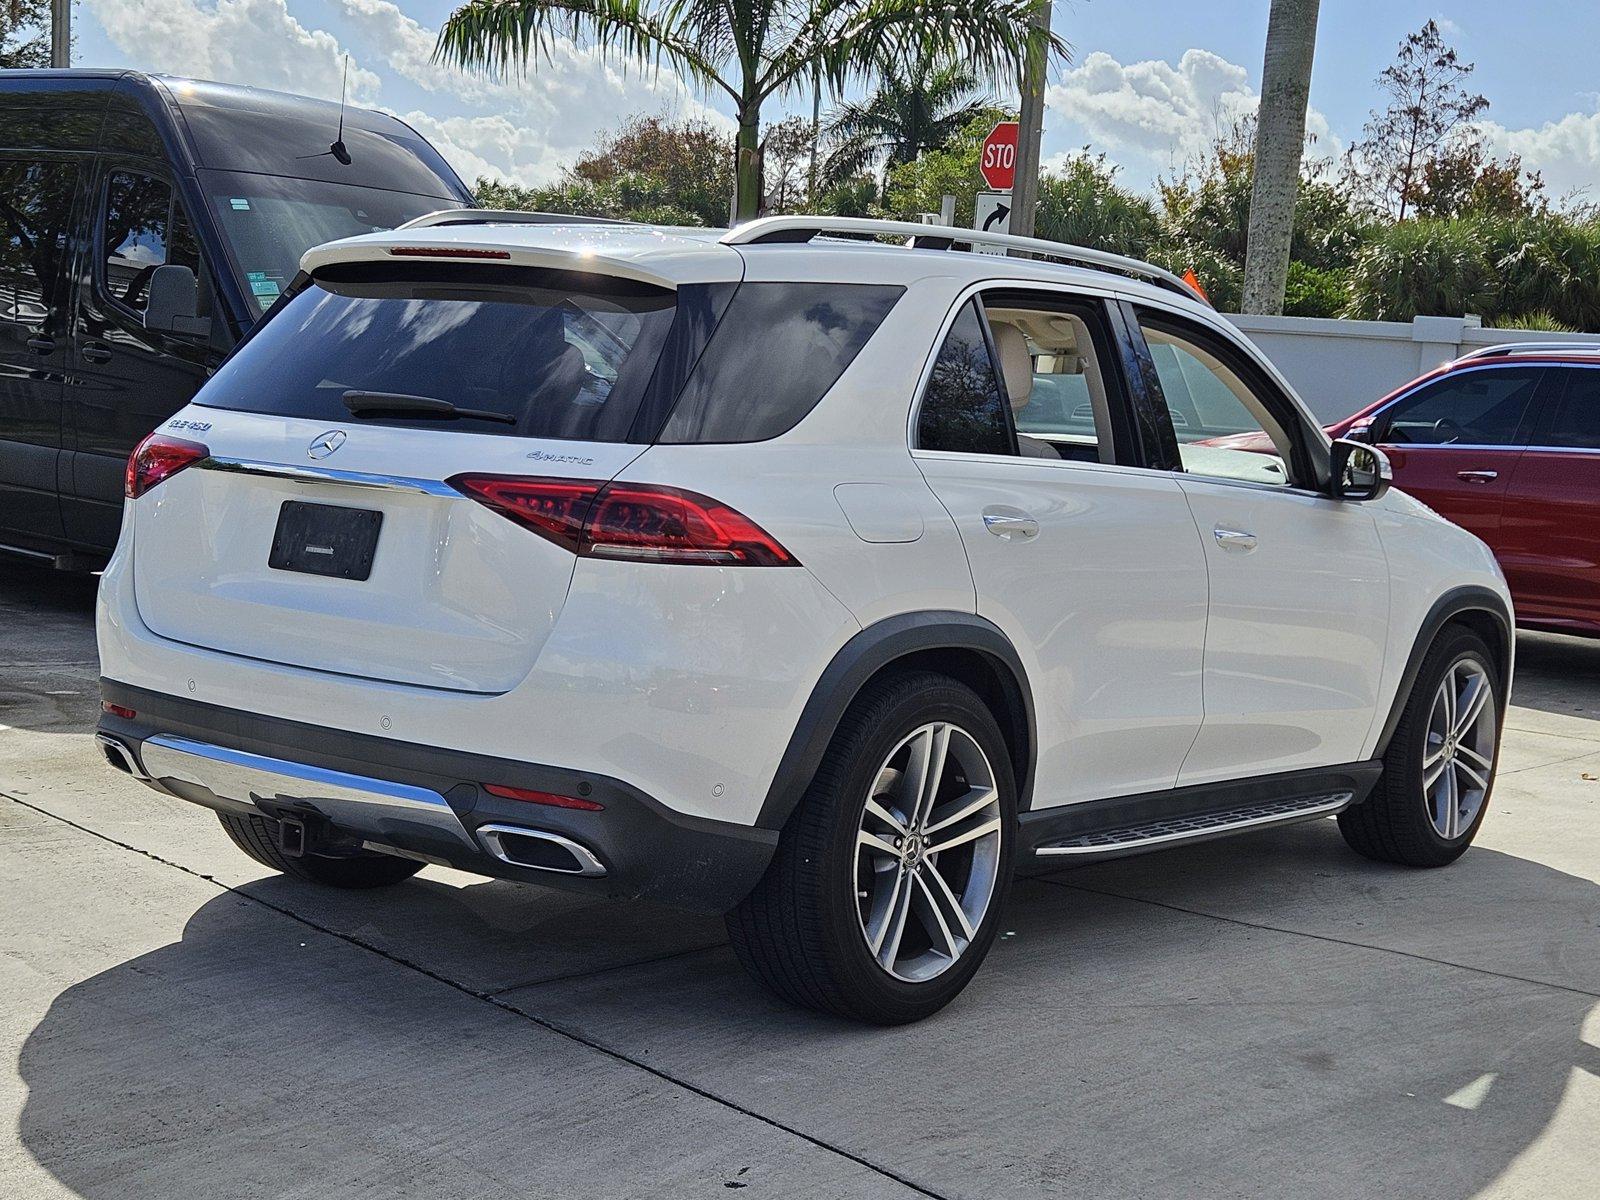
(747, 166)
(1280, 142)
(1025, 189)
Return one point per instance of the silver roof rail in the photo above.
(501, 216)
(1507, 349)
(944, 237)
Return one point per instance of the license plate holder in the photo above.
(325, 539)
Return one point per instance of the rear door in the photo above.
(1086, 560)
(1454, 442)
(39, 206)
(322, 532)
(1550, 530)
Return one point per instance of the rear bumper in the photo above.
(358, 791)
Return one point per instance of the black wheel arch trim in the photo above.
(1454, 603)
(866, 654)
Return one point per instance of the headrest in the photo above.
(1016, 364)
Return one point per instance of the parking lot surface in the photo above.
(1267, 1016)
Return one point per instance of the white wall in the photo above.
(1341, 366)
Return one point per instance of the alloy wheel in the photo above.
(1458, 752)
(927, 852)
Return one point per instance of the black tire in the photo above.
(258, 837)
(800, 931)
(1393, 825)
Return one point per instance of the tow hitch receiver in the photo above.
(292, 836)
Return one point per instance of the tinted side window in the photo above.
(963, 408)
(775, 354)
(1475, 408)
(138, 216)
(1577, 420)
(33, 237)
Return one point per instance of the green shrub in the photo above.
(1541, 322)
(1313, 292)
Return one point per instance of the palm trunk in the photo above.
(1280, 142)
(747, 166)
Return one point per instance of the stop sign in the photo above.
(998, 162)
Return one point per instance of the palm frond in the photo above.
(501, 36)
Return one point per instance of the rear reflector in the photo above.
(156, 458)
(117, 710)
(446, 252)
(636, 522)
(550, 798)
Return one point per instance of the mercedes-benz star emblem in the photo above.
(325, 444)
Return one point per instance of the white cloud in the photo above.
(522, 130)
(255, 42)
(531, 125)
(1566, 152)
(1159, 113)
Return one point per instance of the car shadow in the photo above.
(48, 658)
(1558, 674)
(1109, 1047)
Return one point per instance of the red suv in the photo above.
(1505, 442)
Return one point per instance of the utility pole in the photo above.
(60, 33)
(1025, 190)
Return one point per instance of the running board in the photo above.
(1173, 831)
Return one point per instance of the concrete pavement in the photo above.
(1268, 1016)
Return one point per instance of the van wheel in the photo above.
(1438, 772)
(258, 837)
(886, 888)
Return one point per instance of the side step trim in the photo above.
(1156, 835)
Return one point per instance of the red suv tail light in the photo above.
(156, 458)
(638, 522)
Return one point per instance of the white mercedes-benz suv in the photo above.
(819, 572)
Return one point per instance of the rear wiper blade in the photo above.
(372, 404)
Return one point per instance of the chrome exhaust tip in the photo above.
(120, 756)
(539, 850)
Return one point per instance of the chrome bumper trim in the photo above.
(377, 808)
(589, 864)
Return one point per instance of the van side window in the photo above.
(136, 235)
(963, 408)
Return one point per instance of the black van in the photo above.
(107, 175)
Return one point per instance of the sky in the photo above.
(1149, 84)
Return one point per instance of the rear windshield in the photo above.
(561, 355)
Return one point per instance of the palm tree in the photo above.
(1280, 141)
(751, 50)
(912, 111)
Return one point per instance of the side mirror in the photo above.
(173, 303)
(1359, 471)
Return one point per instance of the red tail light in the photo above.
(638, 522)
(550, 798)
(156, 458)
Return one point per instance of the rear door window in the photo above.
(777, 351)
(1575, 424)
(963, 409)
(549, 354)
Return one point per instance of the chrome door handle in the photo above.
(1234, 539)
(1010, 523)
(1478, 476)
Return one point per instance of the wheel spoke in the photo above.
(1448, 695)
(938, 751)
(1482, 761)
(1430, 774)
(874, 809)
(946, 900)
(933, 920)
(960, 809)
(1452, 803)
(971, 834)
(873, 844)
(895, 926)
(1471, 705)
(1479, 780)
